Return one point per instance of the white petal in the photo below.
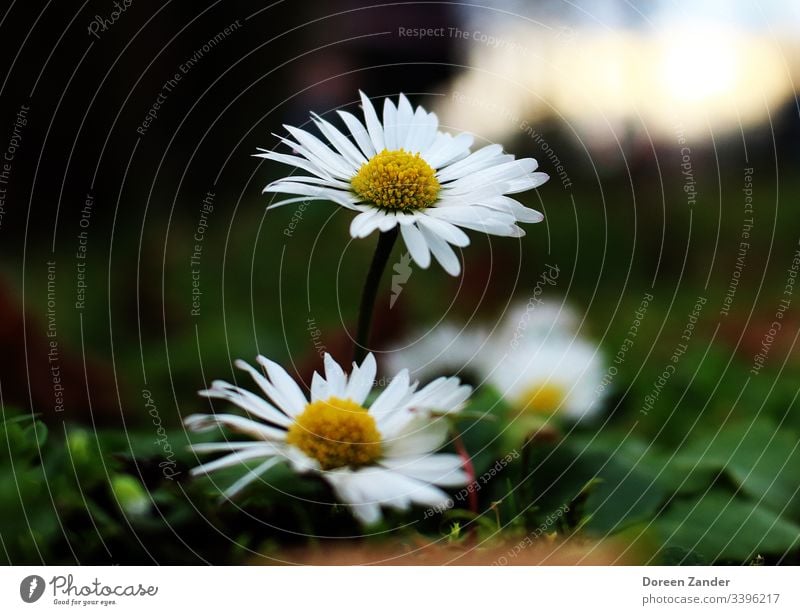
(244, 399)
(364, 223)
(332, 194)
(373, 123)
(442, 469)
(476, 218)
(516, 169)
(345, 147)
(418, 437)
(235, 459)
(416, 245)
(534, 180)
(388, 221)
(349, 492)
(285, 392)
(334, 374)
(394, 489)
(220, 447)
(443, 394)
(430, 132)
(207, 422)
(359, 133)
(367, 514)
(405, 121)
(331, 159)
(513, 207)
(362, 380)
(312, 180)
(422, 131)
(333, 170)
(319, 388)
(300, 199)
(257, 377)
(446, 149)
(392, 396)
(390, 125)
(442, 251)
(474, 161)
(449, 232)
(249, 477)
(295, 161)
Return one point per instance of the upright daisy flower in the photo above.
(371, 457)
(405, 171)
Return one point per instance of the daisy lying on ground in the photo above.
(372, 457)
(405, 171)
(536, 358)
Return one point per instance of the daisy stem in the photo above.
(469, 469)
(382, 252)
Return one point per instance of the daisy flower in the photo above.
(536, 358)
(548, 374)
(405, 171)
(372, 457)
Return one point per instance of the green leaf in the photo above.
(720, 526)
(759, 457)
(673, 474)
(622, 492)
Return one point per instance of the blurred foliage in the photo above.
(707, 475)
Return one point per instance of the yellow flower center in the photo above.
(336, 432)
(397, 180)
(543, 398)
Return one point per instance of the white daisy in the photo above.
(372, 457)
(548, 375)
(536, 319)
(406, 171)
(536, 358)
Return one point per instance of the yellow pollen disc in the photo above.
(397, 180)
(543, 398)
(336, 432)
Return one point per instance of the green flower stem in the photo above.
(382, 252)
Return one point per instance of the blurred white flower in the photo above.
(372, 457)
(446, 349)
(404, 171)
(549, 374)
(536, 358)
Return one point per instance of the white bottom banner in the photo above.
(388, 590)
